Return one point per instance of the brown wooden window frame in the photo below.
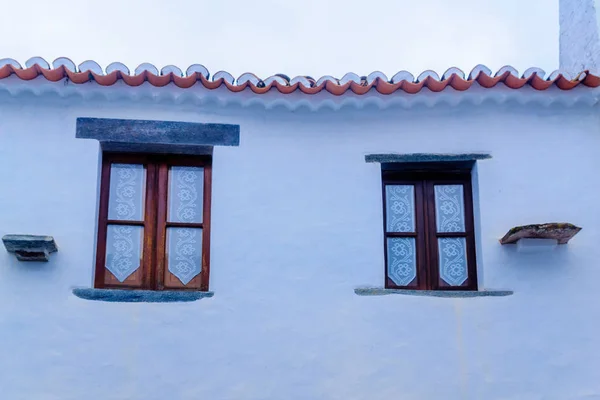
(152, 274)
(426, 234)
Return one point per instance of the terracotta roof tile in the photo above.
(198, 74)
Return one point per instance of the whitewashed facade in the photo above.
(297, 221)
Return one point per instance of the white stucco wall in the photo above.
(296, 226)
(579, 39)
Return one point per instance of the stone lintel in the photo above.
(158, 132)
(424, 157)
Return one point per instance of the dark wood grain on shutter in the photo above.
(426, 236)
(153, 273)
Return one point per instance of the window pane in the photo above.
(453, 260)
(184, 252)
(402, 260)
(186, 188)
(400, 208)
(123, 250)
(449, 208)
(127, 192)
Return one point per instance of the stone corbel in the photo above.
(30, 247)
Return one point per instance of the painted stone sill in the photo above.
(378, 291)
(139, 296)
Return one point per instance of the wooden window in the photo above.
(154, 222)
(428, 225)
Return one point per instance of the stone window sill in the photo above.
(138, 296)
(378, 291)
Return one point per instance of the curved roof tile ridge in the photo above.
(90, 66)
(453, 71)
(66, 62)
(117, 66)
(64, 68)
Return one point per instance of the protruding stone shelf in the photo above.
(561, 232)
(139, 296)
(30, 247)
(378, 291)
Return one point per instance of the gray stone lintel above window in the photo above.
(157, 134)
(30, 247)
(424, 157)
(139, 296)
(378, 291)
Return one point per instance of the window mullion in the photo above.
(429, 206)
(421, 239)
(161, 222)
(148, 259)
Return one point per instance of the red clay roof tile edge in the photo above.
(89, 70)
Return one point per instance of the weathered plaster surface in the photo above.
(296, 227)
(579, 38)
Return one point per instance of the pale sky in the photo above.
(313, 37)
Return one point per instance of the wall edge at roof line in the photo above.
(222, 97)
